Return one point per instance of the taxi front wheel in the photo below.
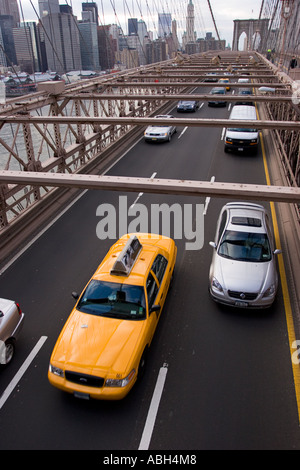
(142, 365)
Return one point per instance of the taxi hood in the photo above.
(97, 345)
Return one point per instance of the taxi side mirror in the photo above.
(155, 308)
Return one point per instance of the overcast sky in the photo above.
(116, 11)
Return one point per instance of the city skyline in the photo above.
(225, 13)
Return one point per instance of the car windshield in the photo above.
(217, 91)
(239, 129)
(245, 246)
(112, 299)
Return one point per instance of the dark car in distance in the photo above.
(185, 106)
(245, 92)
(217, 91)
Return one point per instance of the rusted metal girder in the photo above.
(144, 121)
(185, 97)
(190, 84)
(153, 185)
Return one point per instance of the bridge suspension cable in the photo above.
(213, 18)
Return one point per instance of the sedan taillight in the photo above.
(19, 308)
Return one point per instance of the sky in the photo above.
(118, 11)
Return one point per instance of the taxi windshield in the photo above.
(114, 300)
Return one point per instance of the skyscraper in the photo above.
(61, 36)
(89, 44)
(6, 27)
(93, 8)
(190, 23)
(10, 7)
(47, 7)
(132, 26)
(164, 24)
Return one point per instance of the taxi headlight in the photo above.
(56, 371)
(120, 382)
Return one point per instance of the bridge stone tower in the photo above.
(249, 27)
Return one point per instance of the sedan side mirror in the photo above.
(213, 244)
(75, 295)
(277, 252)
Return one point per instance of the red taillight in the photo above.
(19, 308)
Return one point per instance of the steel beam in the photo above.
(251, 192)
(184, 97)
(183, 84)
(145, 121)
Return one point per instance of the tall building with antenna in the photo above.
(189, 36)
(190, 23)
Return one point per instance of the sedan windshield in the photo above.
(245, 246)
(115, 300)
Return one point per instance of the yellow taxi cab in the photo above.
(102, 348)
(224, 81)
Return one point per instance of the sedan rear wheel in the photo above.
(9, 351)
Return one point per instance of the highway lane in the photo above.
(229, 382)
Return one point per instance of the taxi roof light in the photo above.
(126, 259)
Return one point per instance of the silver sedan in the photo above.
(11, 322)
(243, 271)
(161, 132)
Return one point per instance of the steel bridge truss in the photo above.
(69, 131)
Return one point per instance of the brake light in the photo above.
(19, 308)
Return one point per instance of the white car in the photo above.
(243, 271)
(11, 323)
(161, 132)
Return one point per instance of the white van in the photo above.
(240, 139)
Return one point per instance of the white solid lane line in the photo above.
(151, 417)
(22, 371)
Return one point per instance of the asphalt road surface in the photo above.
(228, 380)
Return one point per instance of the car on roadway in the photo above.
(210, 77)
(244, 80)
(225, 81)
(243, 270)
(11, 324)
(217, 91)
(187, 106)
(102, 348)
(160, 132)
(245, 92)
(242, 139)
